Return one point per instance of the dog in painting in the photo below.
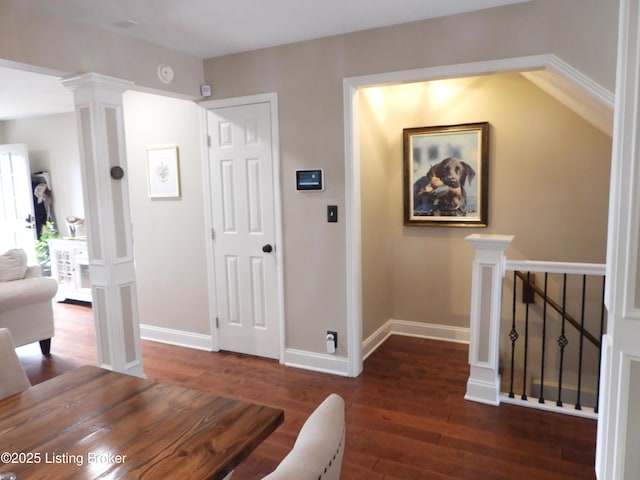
(442, 190)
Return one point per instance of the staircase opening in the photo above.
(370, 305)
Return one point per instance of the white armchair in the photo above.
(318, 450)
(26, 301)
(13, 378)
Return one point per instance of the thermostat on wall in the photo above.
(310, 180)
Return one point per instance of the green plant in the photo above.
(42, 247)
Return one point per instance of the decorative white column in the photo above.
(486, 301)
(98, 101)
(619, 416)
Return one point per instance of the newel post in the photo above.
(486, 300)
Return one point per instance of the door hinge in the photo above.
(213, 234)
(217, 322)
(208, 140)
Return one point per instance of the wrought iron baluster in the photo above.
(562, 339)
(513, 334)
(569, 375)
(581, 346)
(526, 341)
(544, 337)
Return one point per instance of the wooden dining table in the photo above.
(93, 423)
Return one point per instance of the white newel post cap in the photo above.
(487, 241)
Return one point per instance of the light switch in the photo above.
(332, 213)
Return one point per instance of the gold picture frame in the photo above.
(446, 178)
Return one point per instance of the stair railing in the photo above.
(529, 286)
(573, 339)
(487, 342)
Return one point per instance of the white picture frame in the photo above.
(163, 171)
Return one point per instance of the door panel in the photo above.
(17, 227)
(244, 221)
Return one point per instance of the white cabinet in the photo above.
(70, 267)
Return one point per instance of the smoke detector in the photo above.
(165, 74)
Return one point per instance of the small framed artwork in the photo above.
(163, 172)
(446, 172)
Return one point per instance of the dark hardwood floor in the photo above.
(406, 416)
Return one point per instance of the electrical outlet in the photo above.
(332, 341)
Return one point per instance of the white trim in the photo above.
(480, 391)
(516, 64)
(376, 339)
(353, 230)
(616, 453)
(26, 67)
(352, 156)
(548, 406)
(317, 362)
(272, 99)
(208, 215)
(444, 333)
(178, 338)
(579, 79)
(556, 267)
(603, 449)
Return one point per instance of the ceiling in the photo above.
(210, 28)
(27, 94)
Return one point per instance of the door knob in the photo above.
(267, 248)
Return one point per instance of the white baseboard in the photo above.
(372, 343)
(318, 362)
(413, 329)
(178, 338)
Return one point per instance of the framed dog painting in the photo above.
(446, 175)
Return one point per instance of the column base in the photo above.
(483, 392)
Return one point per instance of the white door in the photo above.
(17, 223)
(243, 210)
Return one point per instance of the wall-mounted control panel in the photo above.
(310, 180)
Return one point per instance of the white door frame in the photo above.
(351, 86)
(272, 100)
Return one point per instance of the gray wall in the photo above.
(548, 186)
(31, 37)
(308, 77)
(53, 146)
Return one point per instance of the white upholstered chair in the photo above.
(13, 378)
(318, 450)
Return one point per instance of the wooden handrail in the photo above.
(558, 308)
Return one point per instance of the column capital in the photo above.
(96, 80)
